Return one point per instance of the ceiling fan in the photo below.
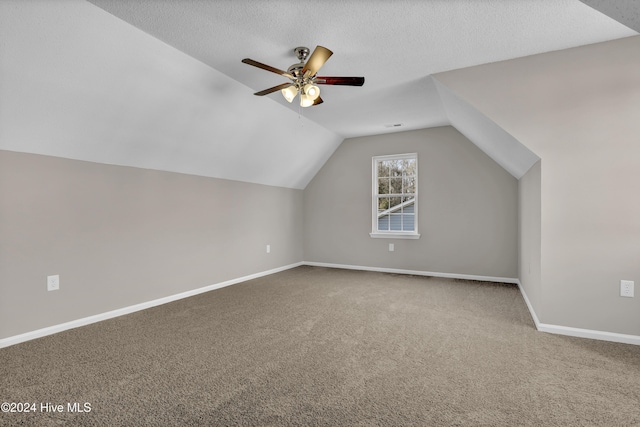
(304, 78)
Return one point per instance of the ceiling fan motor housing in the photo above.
(301, 53)
(296, 69)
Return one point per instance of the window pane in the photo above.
(383, 186)
(383, 204)
(408, 205)
(396, 186)
(409, 166)
(409, 184)
(408, 222)
(396, 222)
(383, 223)
(394, 201)
(396, 167)
(383, 168)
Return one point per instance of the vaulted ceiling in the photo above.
(160, 85)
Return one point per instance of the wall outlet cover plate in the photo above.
(626, 288)
(53, 283)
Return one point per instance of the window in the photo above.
(395, 196)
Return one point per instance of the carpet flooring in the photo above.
(316, 346)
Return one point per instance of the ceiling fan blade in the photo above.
(316, 60)
(317, 101)
(272, 89)
(267, 67)
(345, 81)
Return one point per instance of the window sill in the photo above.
(394, 235)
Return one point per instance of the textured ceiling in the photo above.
(393, 44)
(159, 84)
(77, 83)
(624, 11)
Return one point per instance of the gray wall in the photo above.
(578, 110)
(468, 208)
(119, 236)
(529, 208)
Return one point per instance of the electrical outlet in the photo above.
(268, 249)
(626, 288)
(391, 247)
(53, 283)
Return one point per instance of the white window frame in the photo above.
(391, 234)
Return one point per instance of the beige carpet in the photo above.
(317, 346)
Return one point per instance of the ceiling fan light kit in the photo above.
(304, 77)
(289, 92)
(312, 90)
(305, 100)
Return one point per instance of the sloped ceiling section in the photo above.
(542, 99)
(160, 85)
(395, 45)
(503, 148)
(80, 84)
(497, 143)
(626, 12)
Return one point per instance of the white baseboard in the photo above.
(16, 339)
(542, 327)
(416, 272)
(589, 333)
(534, 316)
(577, 332)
